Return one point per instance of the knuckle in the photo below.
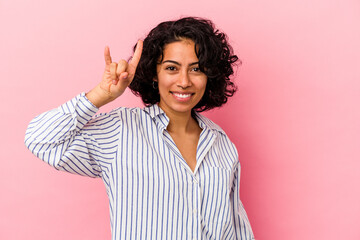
(122, 64)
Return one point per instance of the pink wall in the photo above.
(295, 118)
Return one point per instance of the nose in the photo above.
(184, 80)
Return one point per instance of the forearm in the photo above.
(99, 97)
(243, 228)
(50, 134)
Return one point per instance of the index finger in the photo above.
(137, 54)
(107, 56)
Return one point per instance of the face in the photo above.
(180, 81)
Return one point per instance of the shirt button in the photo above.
(194, 211)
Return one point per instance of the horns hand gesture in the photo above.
(116, 78)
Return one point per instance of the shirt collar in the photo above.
(162, 120)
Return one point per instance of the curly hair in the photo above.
(215, 56)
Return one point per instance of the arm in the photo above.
(242, 225)
(68, 138)
(57, 137)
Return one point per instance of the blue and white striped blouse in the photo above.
(153, 193)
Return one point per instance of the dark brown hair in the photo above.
(215, 56)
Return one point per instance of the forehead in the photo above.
(181, 50)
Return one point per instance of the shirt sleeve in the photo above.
(243, 229)
(67, 137)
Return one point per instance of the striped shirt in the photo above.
(153, 193)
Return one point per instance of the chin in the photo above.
(176, 107)
(183, 109)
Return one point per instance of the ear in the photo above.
(155, 79)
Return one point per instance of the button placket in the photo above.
(195, 208)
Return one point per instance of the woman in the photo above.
(170, 173)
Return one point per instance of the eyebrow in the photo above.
(175, 62)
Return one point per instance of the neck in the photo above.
(180, 122)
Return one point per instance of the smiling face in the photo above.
(180, 81)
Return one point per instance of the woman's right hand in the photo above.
(116, 78)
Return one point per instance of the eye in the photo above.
(195, 69)
(171, 68)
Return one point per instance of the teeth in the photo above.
(182, 95)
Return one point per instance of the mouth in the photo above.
(183, 97)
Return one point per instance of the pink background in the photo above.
(295, 119)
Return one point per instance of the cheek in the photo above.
(164, 88)
(203, 85)
(163, 85)
(166, 82)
